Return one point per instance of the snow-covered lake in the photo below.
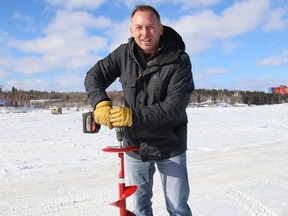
(237, 161)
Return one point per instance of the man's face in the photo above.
(146, 30)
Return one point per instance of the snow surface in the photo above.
(237, 161)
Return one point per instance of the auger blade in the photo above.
(128, 191)
(119, 203)
(129, 213)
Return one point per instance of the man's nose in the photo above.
(145, 31)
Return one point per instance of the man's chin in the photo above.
(146, 49)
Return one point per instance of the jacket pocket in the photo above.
(129, 89)
(155, 89)
(128, 81)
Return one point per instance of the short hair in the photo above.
(146, 8)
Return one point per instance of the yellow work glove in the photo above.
(121, 116)
(102, 112)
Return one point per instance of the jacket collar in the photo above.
(171, 47)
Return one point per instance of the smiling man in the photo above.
(155, 73)
(146, 30)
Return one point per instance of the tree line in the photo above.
(233, 97)
(44, 99)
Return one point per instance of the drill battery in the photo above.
(89, 124)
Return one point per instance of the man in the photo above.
(155, 73)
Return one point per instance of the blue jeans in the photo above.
(174, 179)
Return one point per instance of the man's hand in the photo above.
(121, 116)
(102, 112)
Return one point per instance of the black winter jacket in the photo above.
(158, 90)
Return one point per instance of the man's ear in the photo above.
(161, 29)
(131, 31)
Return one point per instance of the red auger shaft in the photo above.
(122, 205)
(124, 191)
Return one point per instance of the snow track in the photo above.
(280, 184)
(254, 207)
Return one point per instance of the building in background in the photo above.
(282, 90)
(5, 103)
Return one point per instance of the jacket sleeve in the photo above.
(173, 107)
(101, 76)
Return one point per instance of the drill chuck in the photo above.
(119, 133)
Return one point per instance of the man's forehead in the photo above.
(147, 17)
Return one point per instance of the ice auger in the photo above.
(124, 191)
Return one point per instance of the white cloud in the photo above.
(59, 46)
(26, 64)
(65, 45)
(77, 4)
(276, 20)
(243, 17)
(66, 82)
(66, 21)
(69, 81)
(280, 60)
(216, 71)
(3, 74)
(196, 3)
(67, 35)
(229, 46)
(26, 22)
(184, 4)
(29, 84)
(33, 65)
(201, 29)
(116, 37)
(255, 84)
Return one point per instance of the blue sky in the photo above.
(49, 45)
